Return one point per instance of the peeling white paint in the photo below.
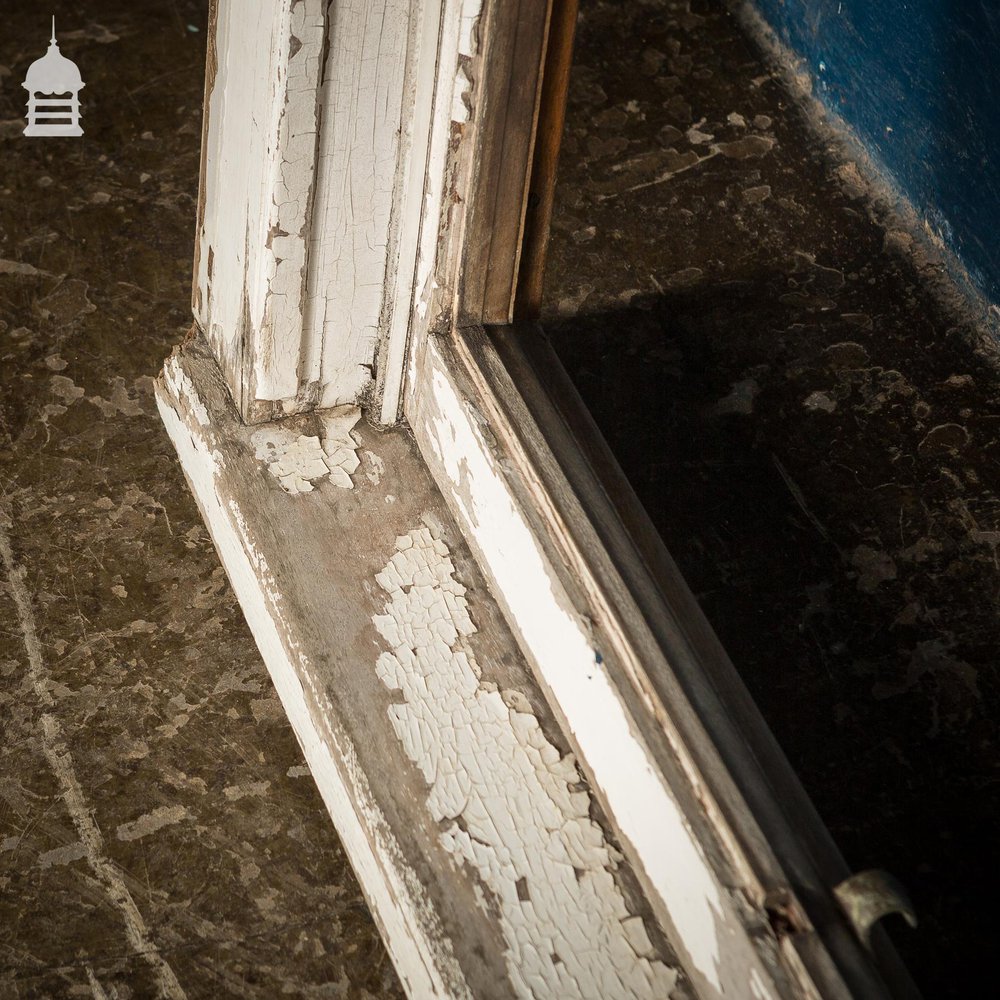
(259, 164)
(707, 930)
(423, 163)
(296, 462)
(299, 460)
(456, 15)
(357, 164)
(509, 801)
(376, 468)
(276, 360)
(463, 87)
(423, 959)
(467, 40)
(180, 386)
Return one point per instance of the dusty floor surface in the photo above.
(817, 441)
(157, 823)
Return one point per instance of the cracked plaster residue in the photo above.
(299, 460)
(510, 805)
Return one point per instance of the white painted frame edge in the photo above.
(458, 437)
(471, 450)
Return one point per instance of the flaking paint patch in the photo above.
(707, 931)
(423, 956)
(299, 460)
(468, 40)
(357, 161)
(507, 799)
(376, 468)
(291, 200)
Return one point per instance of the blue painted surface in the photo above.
(919, 81)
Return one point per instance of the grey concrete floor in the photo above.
(810, 415)
(159, 832)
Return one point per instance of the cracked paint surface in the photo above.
(510, 805)
(258, 183)
(299, 460)
(356, 176)
(276, 369)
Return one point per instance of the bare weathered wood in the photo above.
(515, 34)
(542, 188)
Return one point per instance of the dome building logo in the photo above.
(53, 84)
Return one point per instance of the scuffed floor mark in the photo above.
(67, 302)
(123, 400)
(63, 387)
(299, 460)
(96, 989)
(21, 268)
(255, 789)
(61, 763)
(151, 822)
(62, 855)
(508, 801)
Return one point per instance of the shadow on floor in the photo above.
(837, 521)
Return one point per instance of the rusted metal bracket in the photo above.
(871, 895)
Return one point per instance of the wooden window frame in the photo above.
(460, 105)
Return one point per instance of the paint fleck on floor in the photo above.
(159, 832)
(818, 442)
